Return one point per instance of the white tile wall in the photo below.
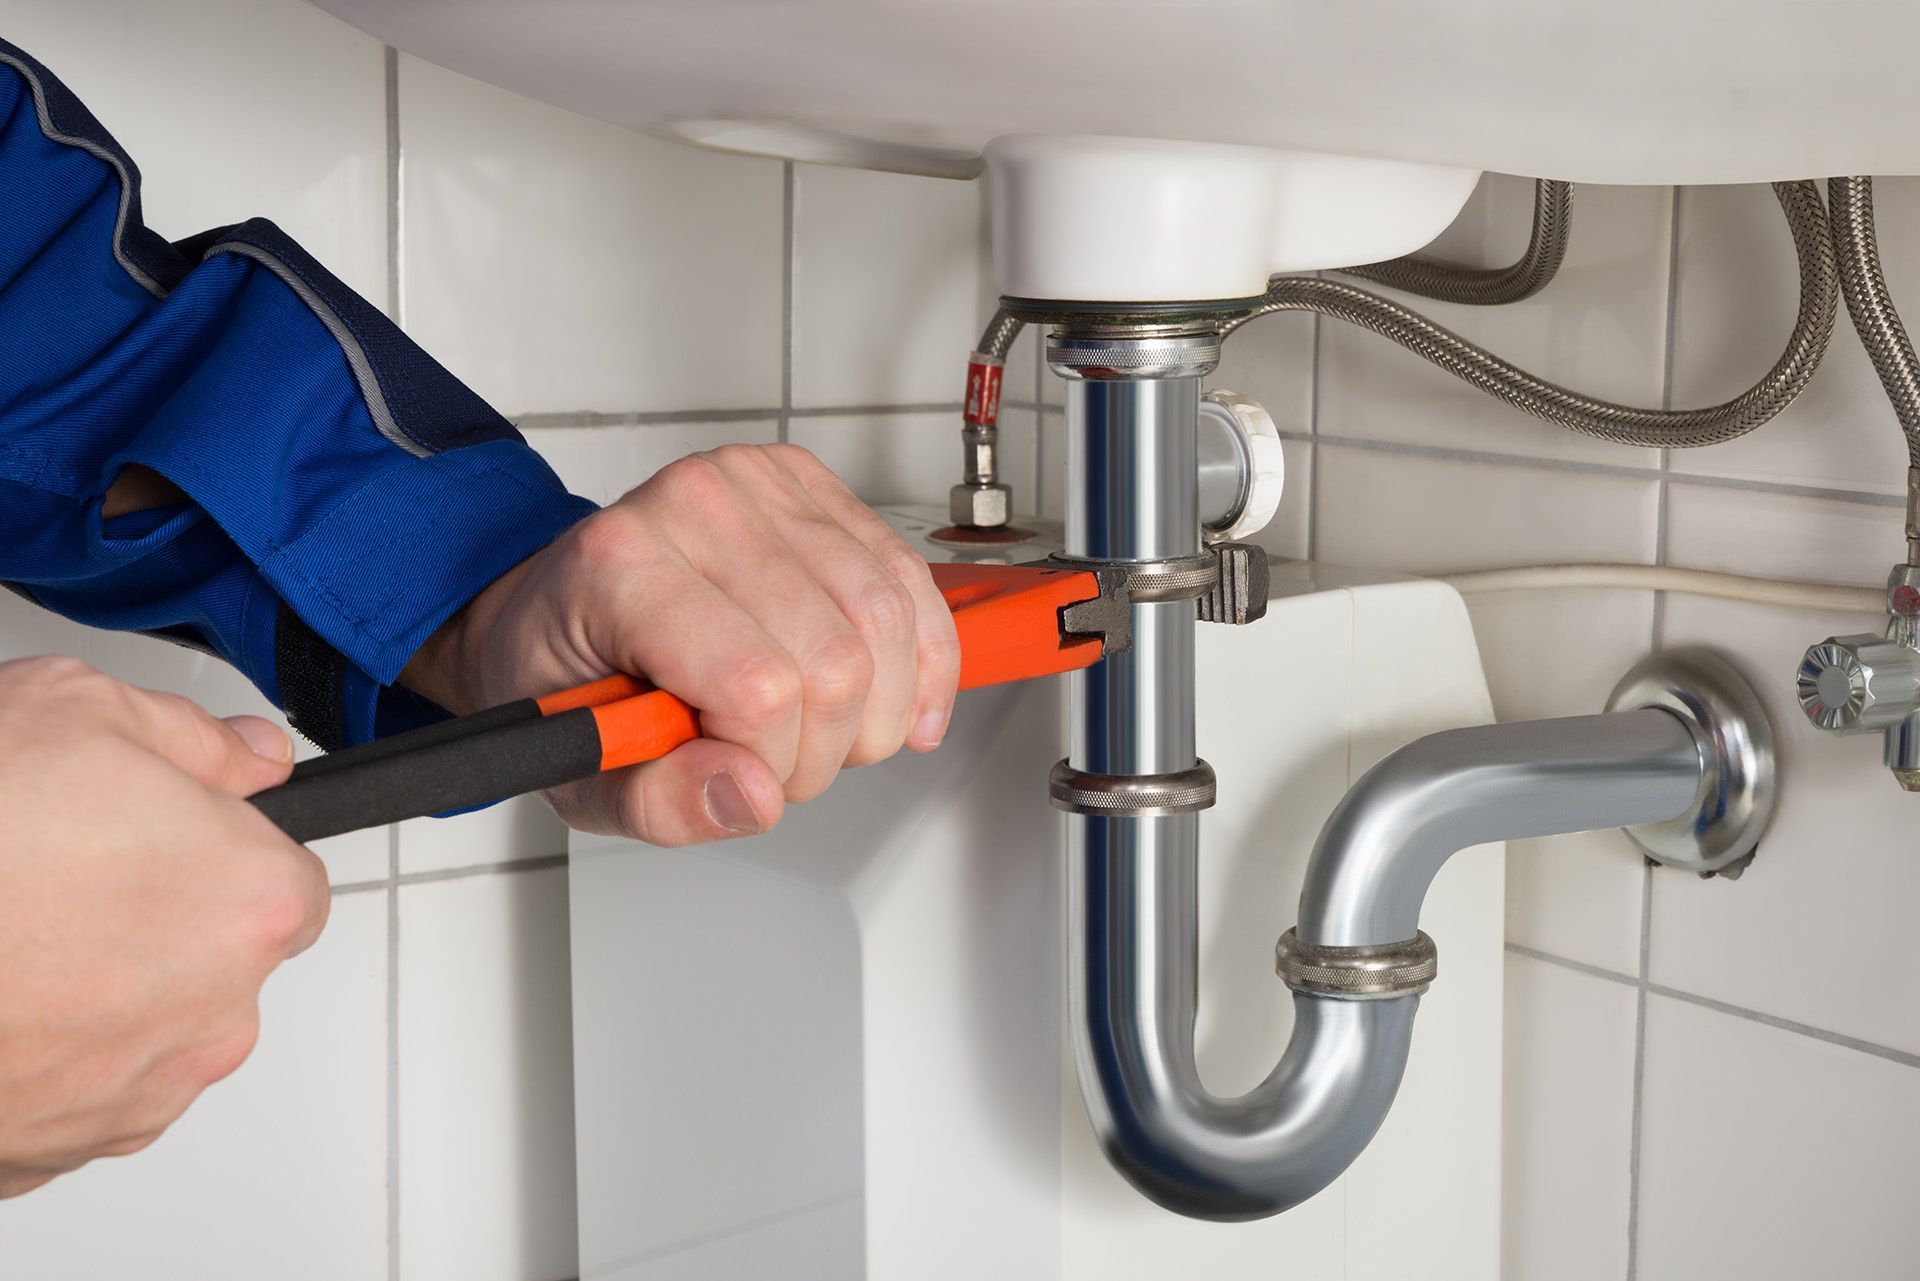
(913, 458)
(1837, 865)
(1611, 1132)
(887, 292)
(1569, 1123)
(1599, 326)
(279, 1171)
(409, 1111)
(233, 109)
(632, 301)
(556, 263)
(1732, 321)
(486, 1079)
(1770, 1154)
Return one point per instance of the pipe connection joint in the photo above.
(1861, 683)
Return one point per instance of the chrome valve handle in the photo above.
(1855, 684)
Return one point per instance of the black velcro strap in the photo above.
(311, 675)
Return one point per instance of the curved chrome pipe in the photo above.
(1132, 409)
(1135, 951)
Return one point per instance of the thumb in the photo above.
(240, 755)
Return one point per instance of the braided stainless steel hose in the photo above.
(1870, 304)
(997, 339)
(980, 502)
(1488, 286)
(1623, 424)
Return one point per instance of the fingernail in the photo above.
(265, 739)
(728, 806)
(930, 728)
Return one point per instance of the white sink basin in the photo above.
(1315, 134)
(1641, 91)
(1152, 150)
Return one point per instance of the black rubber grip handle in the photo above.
(434, 773)
(414, 740)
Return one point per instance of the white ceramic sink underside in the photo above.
(1622, 91)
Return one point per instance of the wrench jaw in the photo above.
(1107, 616)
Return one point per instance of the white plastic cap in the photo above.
(1266, 462)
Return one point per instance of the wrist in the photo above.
(449, 668)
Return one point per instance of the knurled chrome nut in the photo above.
(1853, 684)
(980, 506)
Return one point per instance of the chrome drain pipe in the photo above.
(1685, 752)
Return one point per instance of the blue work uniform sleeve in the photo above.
(345, 493)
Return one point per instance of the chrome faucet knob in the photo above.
(1852, 684)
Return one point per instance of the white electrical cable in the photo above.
(1666, 578)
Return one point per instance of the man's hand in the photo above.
(142, 904)
(752, 584)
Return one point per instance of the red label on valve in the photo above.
(982, 405)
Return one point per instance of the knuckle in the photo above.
(227, 1049)
(940, 655)
(884, 610)
(696, 481)
(280, 919)
(903, 562)
(767, 689)
(129, 1146)
(796, 456)
(54, 668)
(839, 671)
(734, 456)
(72, 681)
(612, 536)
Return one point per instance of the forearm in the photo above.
(217, 441)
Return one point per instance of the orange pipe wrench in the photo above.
(1016, 622)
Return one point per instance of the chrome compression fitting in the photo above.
(1134, 795)
(1863, 683)
(1367, 972)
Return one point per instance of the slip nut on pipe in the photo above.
(1131, 795)
(1152, 582)
(1375, 972)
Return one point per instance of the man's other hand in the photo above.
(142, 904)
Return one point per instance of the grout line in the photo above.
(843, 411)
(1657, 639)
(396, 310)
(787, 259)
(1870, 1048)
(648, 418)
(536, 864)
(1567, 962)
(1639, 1072)
(1663, 500)
(392, 71)
(597, 418)
(393, 1053)
(1845, 1042)
(360, 887)
(1445, 453)
(1451, 453)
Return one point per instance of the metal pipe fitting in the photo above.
(1357, 960)
(1861, 683)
